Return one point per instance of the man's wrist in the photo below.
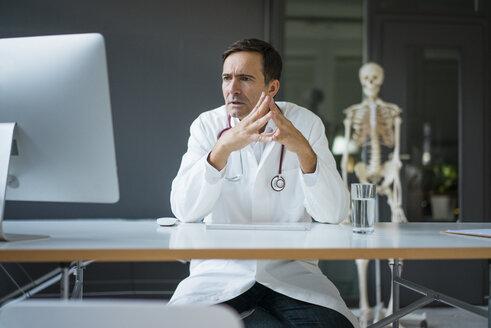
(218, 156)
(308, 160)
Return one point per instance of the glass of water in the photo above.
(363, 207)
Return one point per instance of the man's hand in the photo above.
(248, 130)
(293, 140)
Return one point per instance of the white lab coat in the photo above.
(200, 191)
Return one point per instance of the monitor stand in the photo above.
(6, 140)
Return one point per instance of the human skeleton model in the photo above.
(375, 123)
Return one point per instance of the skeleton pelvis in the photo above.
(368, 173)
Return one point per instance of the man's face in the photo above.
(243, 82)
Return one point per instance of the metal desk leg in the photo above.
(64, 281)
(429, 296)
(78, 289)
(395, 290)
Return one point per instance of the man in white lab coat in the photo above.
(254, 161)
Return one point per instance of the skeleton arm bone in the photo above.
(396, 158)
(344, 160)
(397, 136)
(392, 183)
(398, 213)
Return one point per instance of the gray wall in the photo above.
(164, 69)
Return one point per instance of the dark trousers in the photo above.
(283, 311)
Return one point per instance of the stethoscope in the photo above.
(277, 182)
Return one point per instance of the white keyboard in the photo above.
(298, 226)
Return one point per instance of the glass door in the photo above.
(431, 173)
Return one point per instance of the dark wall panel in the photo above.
(164, 69)
(391, 37)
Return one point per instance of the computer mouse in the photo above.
(166, 221)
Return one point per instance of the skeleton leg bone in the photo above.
(365, 312)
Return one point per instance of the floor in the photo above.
(447, 318)
(441, 317)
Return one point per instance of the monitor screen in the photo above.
(54, 90)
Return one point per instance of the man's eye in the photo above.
(245, 78)
(226, 78)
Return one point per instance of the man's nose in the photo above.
(234, 86)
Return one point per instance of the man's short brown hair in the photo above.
(272, 63)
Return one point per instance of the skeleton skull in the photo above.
(371, 78)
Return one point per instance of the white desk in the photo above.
(144, 240)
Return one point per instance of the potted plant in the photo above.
(443, 190)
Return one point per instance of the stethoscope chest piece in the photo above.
(278, 183)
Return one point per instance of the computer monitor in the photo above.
(56, 133)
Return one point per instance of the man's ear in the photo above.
(273, 88)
